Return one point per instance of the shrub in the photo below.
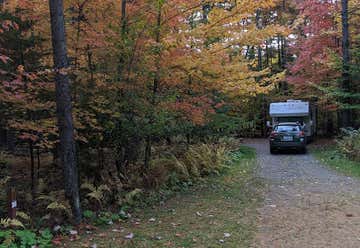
(96, 194)
(25, 238)
(106, 218)
(206, 159)
(349, 143)
(163, 169)
(230, 143)
(88, 214)
(57, 207)
(3, 195)
(3, 160)
(198, 161)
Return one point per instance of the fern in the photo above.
(96, 193)
(56, 202)
(6, 238)
(132, 195)
(45, 238)
(7, 222)
(206, 159)
(349, 144)
(26, 237)
(87, 185)
(58, 206)
(22, 215)
(4, 181)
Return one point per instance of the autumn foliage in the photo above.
(153, 77)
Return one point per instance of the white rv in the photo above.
(295, 111)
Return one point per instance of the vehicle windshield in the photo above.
(287, 128)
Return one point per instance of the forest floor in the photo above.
(306, 203)
(220, 212)
(293, 200)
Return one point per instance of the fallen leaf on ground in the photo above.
(56, 228)
(227, 235)
(129, 236)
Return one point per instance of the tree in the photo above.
(64, 107)
(346, 119)
(323, 68)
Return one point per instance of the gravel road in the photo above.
(306, 204)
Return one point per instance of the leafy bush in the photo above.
(198, 161)
(25, 238)
(88, 214)
(230, 143)
(3, 196)
(106, 218)
(3, 159)
(11, 223)
(206, 159)
(57, 207)
(97, 194)
(349, 143)
(163, 169)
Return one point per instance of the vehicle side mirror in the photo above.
(268, 124)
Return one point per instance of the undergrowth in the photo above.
(349, 144)
(169, 174)
(195, 216)
(333, 157)
(344, 156)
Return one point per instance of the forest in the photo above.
(107, 105)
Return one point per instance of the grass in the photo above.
(198, 217)
(331, 157)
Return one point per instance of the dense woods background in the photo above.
(155, 86)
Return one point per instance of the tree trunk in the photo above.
(38, 163)
(32, 168)
(157, 72)
(90, 65)
(11, 140)
(283, 52)
(156, 83)
(346, 113)
(123, 17)
(267, 61)
(279, 51)
(147, 152)
(64, 108)
(259, 52)
(260, 65)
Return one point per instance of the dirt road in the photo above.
(306, 204)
